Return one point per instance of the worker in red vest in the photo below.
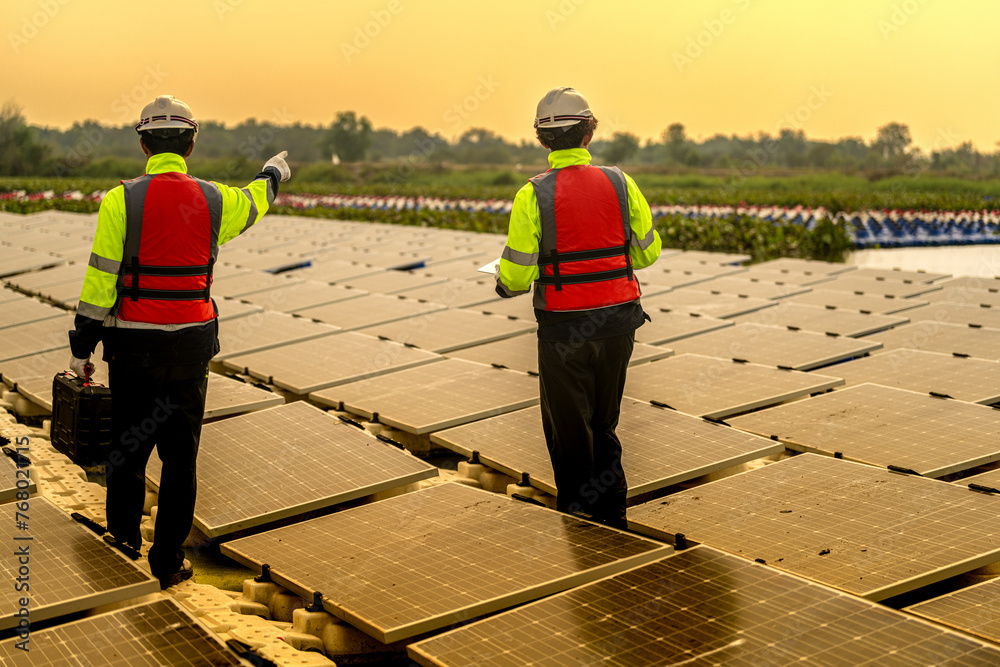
(578, 232)
(147, 296)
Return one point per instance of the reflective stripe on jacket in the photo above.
(520, 262)
(584, 248)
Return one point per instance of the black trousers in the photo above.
(162, 407)
(581, 386)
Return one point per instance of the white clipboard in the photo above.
(489, 268)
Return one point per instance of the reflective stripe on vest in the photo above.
(172, 224)
(584, 260)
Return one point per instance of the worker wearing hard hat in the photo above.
(147, 296)
(578, 232)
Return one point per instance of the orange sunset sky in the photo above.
(831, 68)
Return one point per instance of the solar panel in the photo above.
(962, 378)
(775, 346)
(265, 330)
(899, 274)
(885, 426)
(27, 339)
(159, 632)
(7, 295)
(681, 277)
(327, 270)
(849, 323)
(686, 300)
(960, 339)
(977, 297)
(660, 447)
(71, 569)
(26, 311)
(989, 479)
(518, 307)
(805, 278)
(957, 313)
(368, 310)
(434, 396)
(861, 529)
(805, 266)
(973, 609)
(324, 362)
(9, 477)
(232, 308)
(461, 269)
(323, 462)
(706, 257)
(701, 606)
(446, 330)
(227, 396)
(31, 282)
(894, 288)
(303, 295)
(19, 260)
(668, 327)
(865, 303)
(456, 293)
(751, 288)
(973, 282)
(248, 283)
(379, 566)
(520, 353)
(66, 295)
(390, 282)
(718, 388)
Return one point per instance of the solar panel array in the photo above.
(717, 388)
(961, 339)
(70, 568)
(895, 288)
(688, 300)
(324, 362)
(668, 327)
(25, 340)
(776, 346)
(369, 310)
(750, 288)
(974, 609)
(861, 529)
(969, 295)
(227, 396)
(662, 447)
(701, 606)
(434, 396)
(885, 426)
(447, 330)
(520, 353)
(380, 566)
(957, 313)
(26, 311)
(322, 460)
(799, 316)
(962, 378)
(264, 330)
(159, 632)
(813, 266)
(874, 304)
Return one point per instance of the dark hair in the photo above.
(561, 138)
(167, 141)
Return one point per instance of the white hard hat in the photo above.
(164, 113)
(562, 107)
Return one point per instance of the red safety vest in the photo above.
(584, 260)
(171, 243)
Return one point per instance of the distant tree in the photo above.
(676, 141)
(623, 145)
(21, 154)
(891, 142)
(483, 146)
(348, 137)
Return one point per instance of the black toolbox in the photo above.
(81, 419)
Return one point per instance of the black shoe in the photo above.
(185, 572)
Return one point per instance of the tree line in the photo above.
(89, 148)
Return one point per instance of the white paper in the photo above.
(489, 268)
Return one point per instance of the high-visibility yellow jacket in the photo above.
(519, 268)
(241, 209)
